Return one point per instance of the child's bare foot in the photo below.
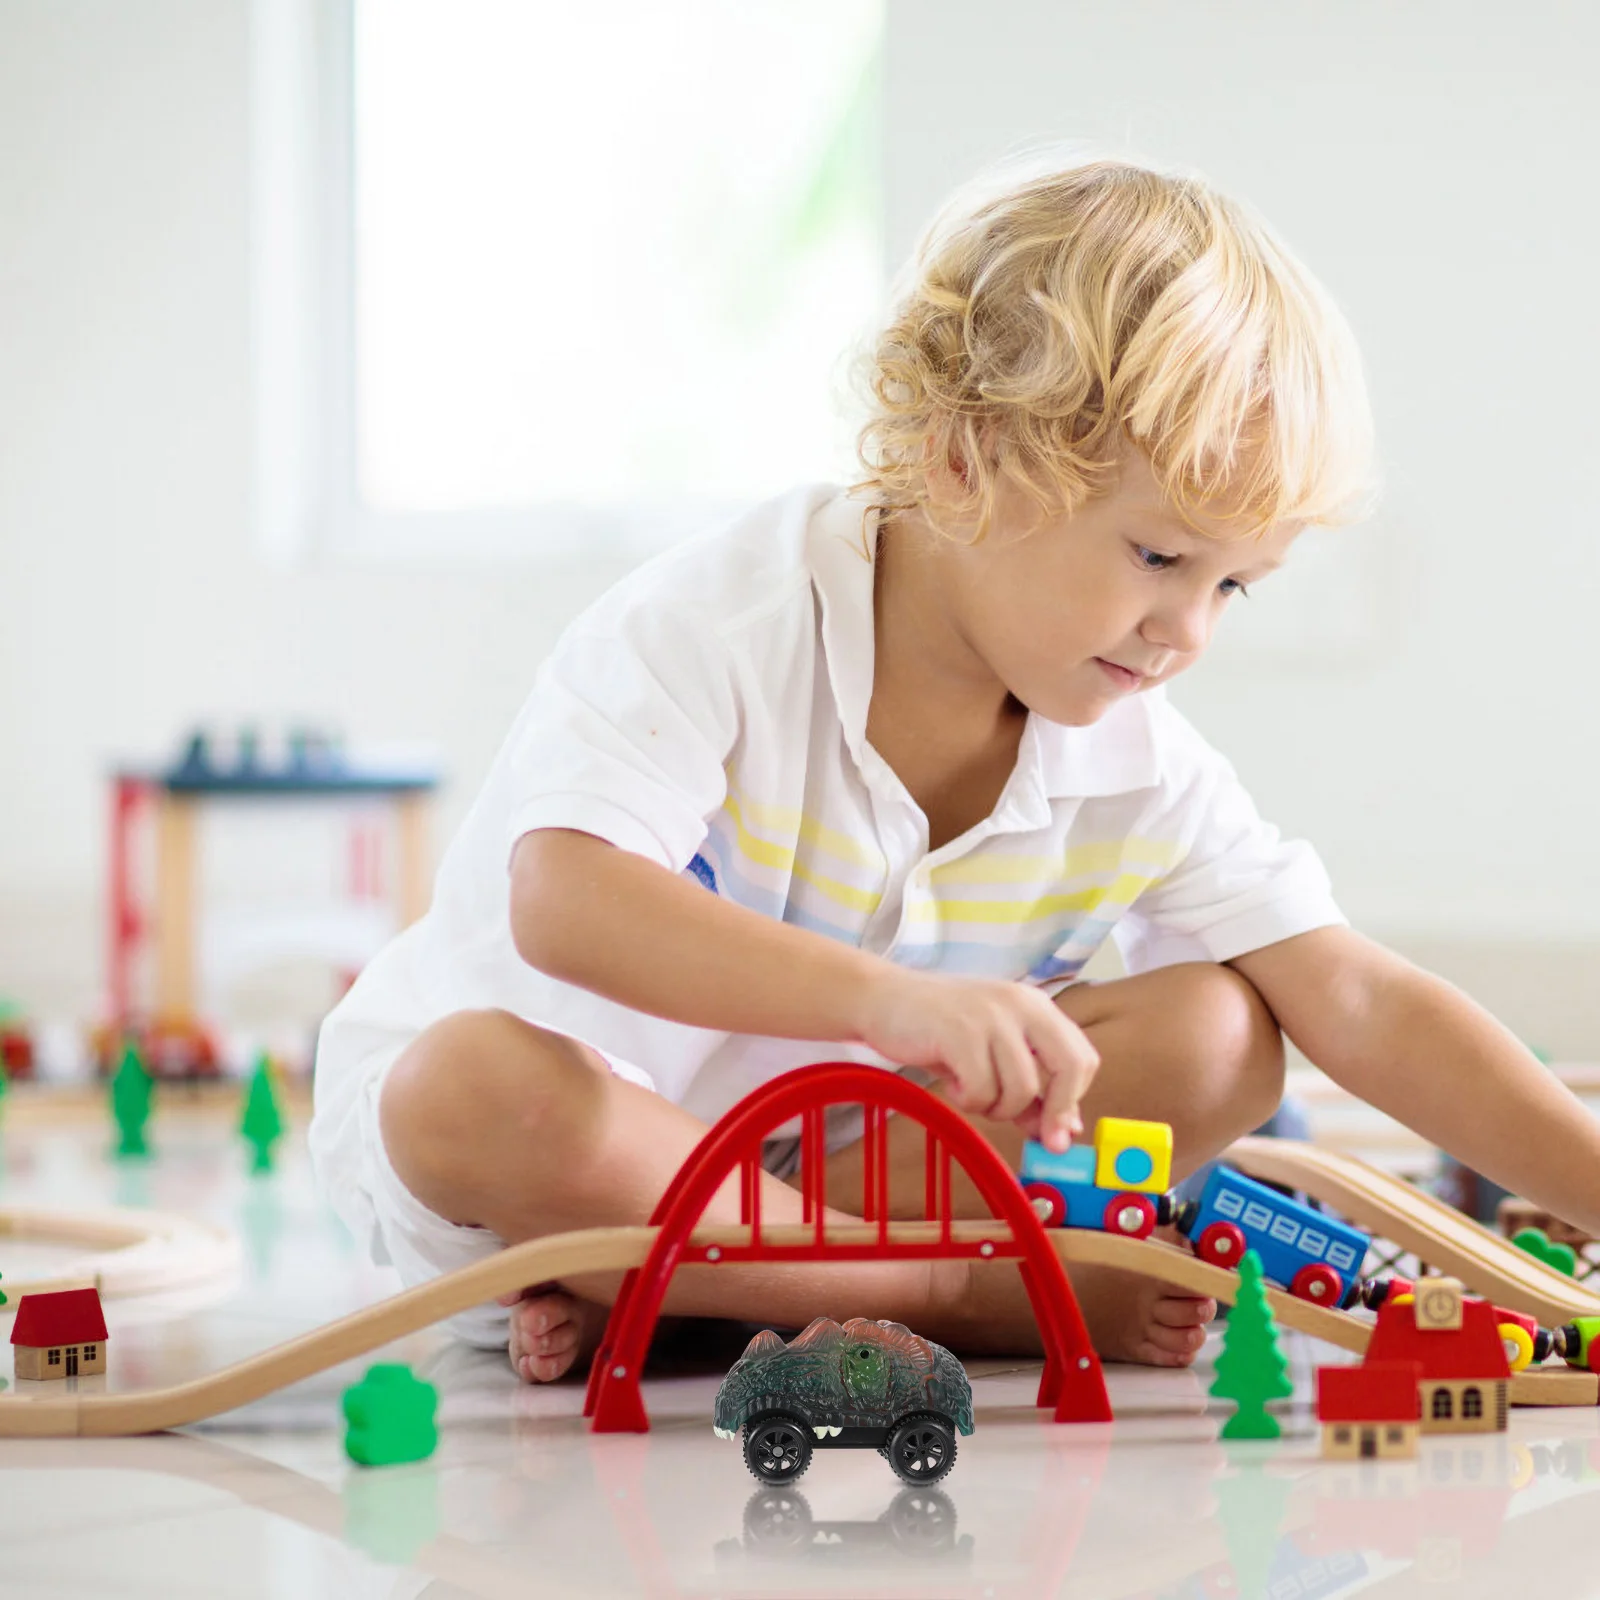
(1134, 1318)
(550, 1330)
(1129, 1317)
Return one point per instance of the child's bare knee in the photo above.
(1245, 1041)
(469, 1087)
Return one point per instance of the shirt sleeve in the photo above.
(626, 733)
(1236, 886)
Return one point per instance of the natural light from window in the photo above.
(610, 255)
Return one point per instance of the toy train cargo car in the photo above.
(1117, 1183)
(1578, 1343)
(1310, 1254)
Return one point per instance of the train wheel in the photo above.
(1132, 1215)
(1048, 1206)
(1518, 1345)
(1222, 1244)
(1319, 1284)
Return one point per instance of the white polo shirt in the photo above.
(709, 713)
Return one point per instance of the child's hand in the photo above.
(1010, 1052)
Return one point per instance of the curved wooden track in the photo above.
(129, 1252)
(48, 1412)
(1434, 1232)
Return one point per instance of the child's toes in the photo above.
(1182, 1311)
(1173, 1347)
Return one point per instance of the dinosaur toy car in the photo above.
(846, 1386)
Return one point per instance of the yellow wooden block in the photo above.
(1132, 1156)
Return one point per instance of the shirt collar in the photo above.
(1112, 756)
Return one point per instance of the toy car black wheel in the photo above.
(921, 1449)
(777, 1448)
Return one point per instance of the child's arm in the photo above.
(607, 920)
(1414, 1045)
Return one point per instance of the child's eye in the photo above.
(1172, 561)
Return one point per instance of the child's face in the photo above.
(1124, 581)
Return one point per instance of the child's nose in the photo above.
(1180, 629)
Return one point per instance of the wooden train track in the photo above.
(55, 1414)
(1433, 1231)
(129, 1252)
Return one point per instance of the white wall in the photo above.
(1432, 163)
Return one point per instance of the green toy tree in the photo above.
(1251, 1369)
(132, 1089)
(262, 1122)
(3, 1300)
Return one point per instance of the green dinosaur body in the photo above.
(857, 1374)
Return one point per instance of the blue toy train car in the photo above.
(1117, 1183)
(1314, 1257)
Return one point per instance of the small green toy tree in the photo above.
(131, 1092)
(390, 1413)
(1251, 1369)
(262, 1122)
(3, 1300)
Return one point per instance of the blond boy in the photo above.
(870, 775)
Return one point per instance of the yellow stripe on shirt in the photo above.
(1124, 891)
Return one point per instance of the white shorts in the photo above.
(421, 1245)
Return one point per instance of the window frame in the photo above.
(307, 510)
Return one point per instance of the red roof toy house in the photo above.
(60, 1335)
(1370, 1411)
(1456, 1341)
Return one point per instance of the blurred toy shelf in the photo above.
(188, 952)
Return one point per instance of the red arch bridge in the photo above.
(1072, 1384)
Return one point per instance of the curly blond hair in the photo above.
(1045, 317)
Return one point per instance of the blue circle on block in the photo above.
(1134, 1166)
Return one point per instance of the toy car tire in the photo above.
(777, 1447)
(1048, 1206)
(1133, 1216)
(1222, 1245)
(921, 1449)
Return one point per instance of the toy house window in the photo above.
(1443, 1409)
(88, 1352)
(54, 1358)
(1392, 1435)
(1472, 1403)
(1341, 1436)
(712, 233)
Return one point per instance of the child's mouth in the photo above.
(1120, 675)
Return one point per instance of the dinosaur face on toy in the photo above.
(866, 1373)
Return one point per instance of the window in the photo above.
(1472, 1403)
(88, 1352)
(590, 273)
(1443, 1407)
(54, 1358)
(1393, 1436)
(1341, 1435)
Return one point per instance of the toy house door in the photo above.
(72, 1361)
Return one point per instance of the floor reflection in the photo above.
(917, 1525)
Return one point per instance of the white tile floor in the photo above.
(521, 1500)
